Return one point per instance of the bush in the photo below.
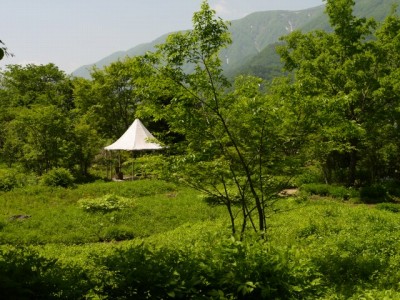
(228, 270)
(150, 165)
(107, 203)
(311, 174)
(329, 190)
(373, 194)
(20, 274)
(7, 182)
(389, 207)
(2, 224)
(117, 233)
(25, 274)
(11, 179)
(58, 177)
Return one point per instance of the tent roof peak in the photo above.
(136, 137)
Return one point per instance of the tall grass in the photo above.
(171, 244)
(53, 215)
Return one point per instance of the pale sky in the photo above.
(73, 33)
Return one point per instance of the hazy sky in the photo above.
(72, 33)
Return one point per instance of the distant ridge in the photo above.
(141, 49)
(255, 36)
(250, 35)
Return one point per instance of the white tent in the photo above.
(137, 137)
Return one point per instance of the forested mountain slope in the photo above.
(254, 38)
(250, 35)
(266, 63)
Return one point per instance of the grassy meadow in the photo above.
(149, 239)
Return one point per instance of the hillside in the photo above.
(266, 63)
(250, 35)
(138, 50)
(254, 37)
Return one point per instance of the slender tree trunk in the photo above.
(352, 167)
(232, 218)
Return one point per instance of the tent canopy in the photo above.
(137, 137)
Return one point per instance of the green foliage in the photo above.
(26, 274)
(109, 101)
(329, 190)
(41, 128)
(238, 144)
(58, 177)
(393, 207)
(235, 146)
(343, 78)
(310, 174)
(148, 165)
(107, 203)
(231, 270)
(11, 178)
(117, 233)
(21, 274)
(169, 245)
(56, 217)
(29, 85)
(43, 139)
(8, 181)
(352, 246)
(4, 51)
(141, 271)
(374, 193)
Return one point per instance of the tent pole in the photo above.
(119, 165)
(106, 165)
(110, 165)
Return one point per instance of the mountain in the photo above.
(250, 35)
(84, 71)
(266, 64)
(256, 35)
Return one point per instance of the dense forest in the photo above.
(329, 120)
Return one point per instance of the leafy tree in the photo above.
(40, 126)
(42, 133)
(24, 86)
(337, 76)
(84, 145)
(110, 99)
(235, 141)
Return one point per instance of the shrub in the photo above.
(219, 200)
(389, 207)
(150, 165)
(117, 233)
(228, 270)
(311, 174)
(7, 182)
(2, 224)
(25, 274)
(58, 177)
(11, 179)
(329, 190)
(107, 203)
(373, 194)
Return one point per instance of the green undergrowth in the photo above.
(41, 215)
(172, 245)
(355, 247)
